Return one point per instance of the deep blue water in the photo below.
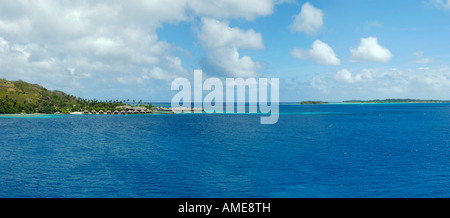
(380, 150)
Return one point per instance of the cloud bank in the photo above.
(89, 44)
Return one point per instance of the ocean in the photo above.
(314, 151)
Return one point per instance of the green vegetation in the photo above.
(23, 97)
(313, 102)
(378, 101)
(397, 101)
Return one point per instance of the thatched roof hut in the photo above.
(101, 112)
(116, 112)
(86, 112)
(130, 112)
(126, 107)
(93, 112)
(140, 109)
(108, 112)
(122, 112)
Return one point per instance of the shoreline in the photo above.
(73, 113)
(283, 103)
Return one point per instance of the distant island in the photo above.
(22, 97)
(397, 101)
(313, 102)
(378, 101)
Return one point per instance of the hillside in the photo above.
(23, 97)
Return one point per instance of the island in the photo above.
(395, 101)
(22, 97)
(313, 102)
(376, 101)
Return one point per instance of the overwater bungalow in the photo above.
(131, 110)
(124, 108)
(139, 109)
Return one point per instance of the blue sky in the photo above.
(330, 50)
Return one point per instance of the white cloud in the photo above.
(321, 53)
(346, 76)
(370, 50)
(431, 80)
(216, 34)
(95, 38)
(248, 9)
(417, 83)
(441, 4)
(309, 20)
(68, 43)
(221, 42)
(157, 73)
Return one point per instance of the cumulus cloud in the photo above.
(221, 42)
(94, 43)
(309, 20)
(321, 53)
(370, 50)
(88, 37)
(216, 34)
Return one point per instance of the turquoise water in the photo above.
(395, 150)
(29, 116)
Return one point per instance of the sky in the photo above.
(330, 50)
